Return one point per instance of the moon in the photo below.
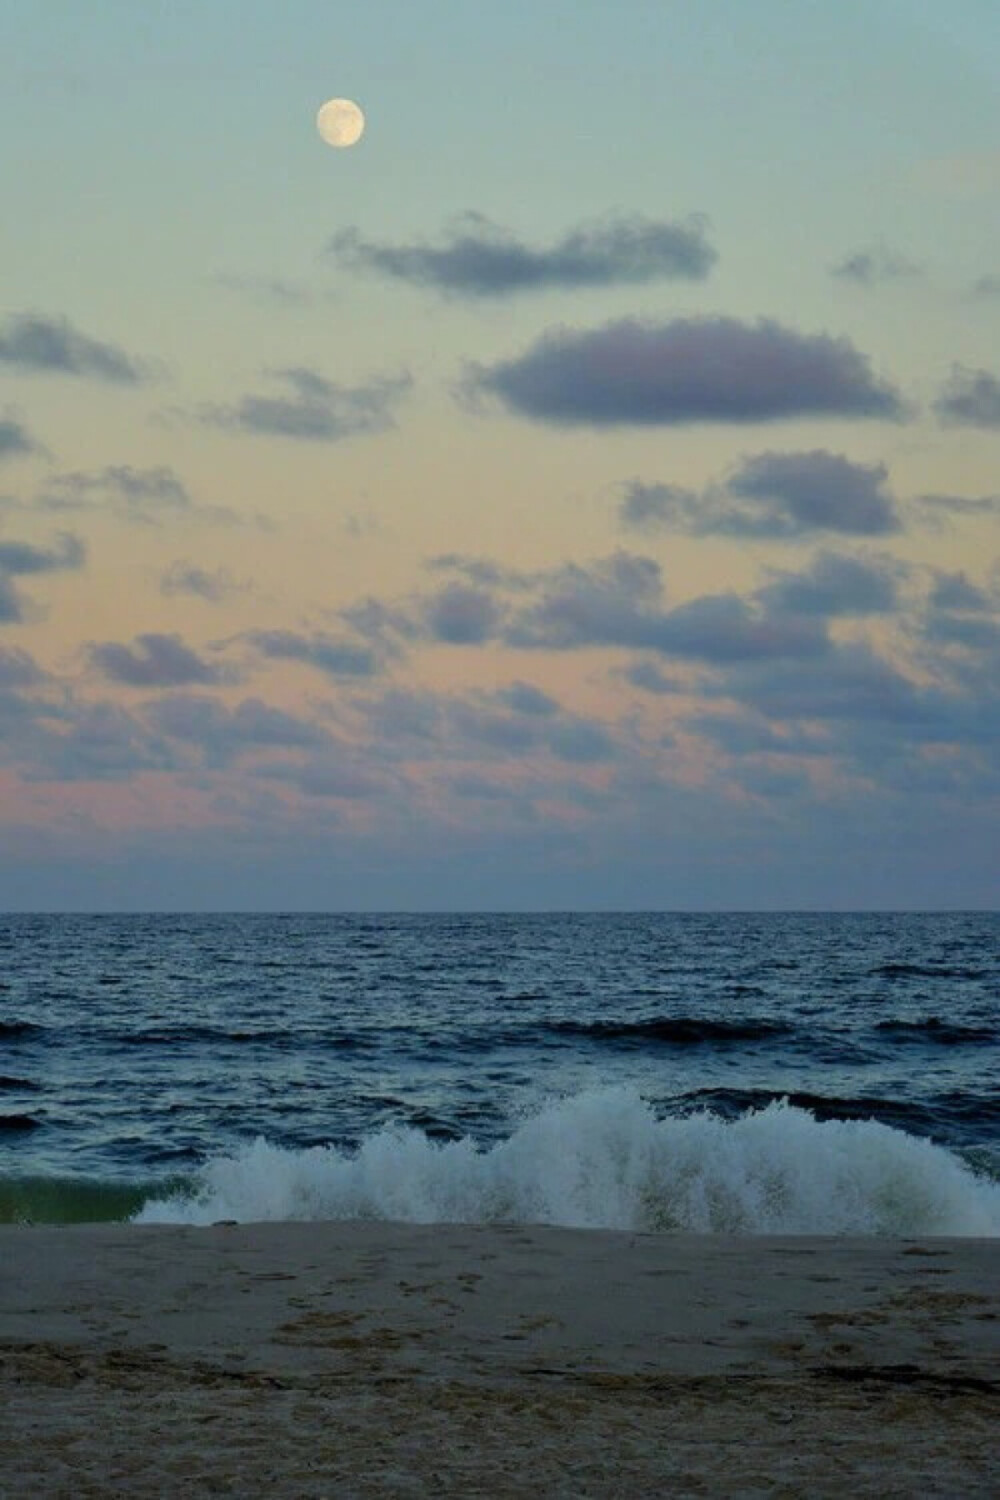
(340, 122)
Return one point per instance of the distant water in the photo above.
(754, 1073)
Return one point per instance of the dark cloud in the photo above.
(18, 669)
(956, 591)
(689, 370)
(98, 742)
(524, 698)
(482, 571)
(15, 439)
(22, 559)
(773, 496)
(815, 491)
(581, 742)
(341, 778)
(154, 661)
(462, 616)
(332, 655)
(222, 733)
(969, 398)
(187, 578)
(987, 286)
(649, 677)
(316, 409)
(869, 267)
(651, 507)
(722, 628)
(837, 585)
(973, 631)
(618, 602)
(480, 259)
(31, 342)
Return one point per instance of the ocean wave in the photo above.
(603, 1159)
(11, 1029)
(926, 971)
(933, 1029)
(679, 1030)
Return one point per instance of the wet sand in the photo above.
(347, 1359)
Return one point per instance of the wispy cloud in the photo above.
(187, 578)
(34, 343)
(314, 409)
(274, 290)
(146, 496)
(479, 259)
(874, 266)
(687, 371)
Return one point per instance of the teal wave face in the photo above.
(67, 1200)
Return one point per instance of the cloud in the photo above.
(816, 490)
(986, 286)
(186, 578)
(18, 669)
(836, 585)
(138, 492)
(223, 733)
(462, 616)
(481, 259)
(20, 559)
(936, 506)
(154, 660)
(873, 266)
(41, 345)
(957, 591)
(333, 655)
(15, 439)
(275, 290)
(617, 602)
(969, 398)
(710, 369)
(315, 410)
(525, 698)
(775, 496)
(146, 496)
(652, 507)
(649, 677)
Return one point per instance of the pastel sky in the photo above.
(583, 492)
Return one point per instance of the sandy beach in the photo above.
(382, 1359)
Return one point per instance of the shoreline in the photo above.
(375, 1358)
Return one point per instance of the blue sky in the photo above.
(582, 492)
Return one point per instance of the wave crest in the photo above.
(604, 1160)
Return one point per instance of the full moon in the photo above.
(340, 122)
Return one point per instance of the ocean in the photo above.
(738, 1073)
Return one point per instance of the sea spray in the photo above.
(603, 1159)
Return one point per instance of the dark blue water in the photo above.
(142, 1053)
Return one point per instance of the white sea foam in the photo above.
(603, 1160)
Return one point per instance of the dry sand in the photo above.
(399, 1360)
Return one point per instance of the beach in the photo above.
(380, 1359)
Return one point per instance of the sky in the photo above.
(583, 492)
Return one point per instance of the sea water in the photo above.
(782, 1073)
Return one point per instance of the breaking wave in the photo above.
(603, 1159)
